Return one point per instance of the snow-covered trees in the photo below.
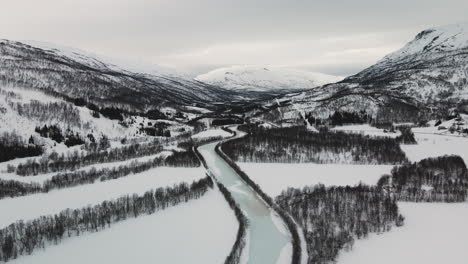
(331, 218)
(441, 179)
(75, 160)
(22, 238)
(14, 146)
(407, 136)
(58, 112)
(297, 144)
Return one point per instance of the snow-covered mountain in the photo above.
(265, 78)
(74, 74)
(427, 77)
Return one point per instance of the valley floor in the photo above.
(35, 205)
(276, 177)
(200, 231)
(433, 233)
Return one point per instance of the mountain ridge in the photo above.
(427, 78)
(265, 78)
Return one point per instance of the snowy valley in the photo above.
(114, 163)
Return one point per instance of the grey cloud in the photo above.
(156, 31)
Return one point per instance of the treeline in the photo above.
(339, 118)
(195, 142)
(11, 188)
(69, 138)
(297, 144)
(331, 218)
(226, 121)
(236, 251)
(74, 160)
(59, 112)
(290, 224)
(440, 179)
(407, 136)
(22, 238)
(81, 177)
(13, 146)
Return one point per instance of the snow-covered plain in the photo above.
(211, 133)
(433, 234)
(40, 178)
(366, 130)
(433, 145)
(31, 206)
(276, 177)
(200, 231)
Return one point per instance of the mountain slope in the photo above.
(265, 78)
(428, 77)
(75, 75)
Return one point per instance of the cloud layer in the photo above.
(333, 36)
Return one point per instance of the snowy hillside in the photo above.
(430, 41)
(73, 74)
(265, 78)
(426, 79)
(96, 59)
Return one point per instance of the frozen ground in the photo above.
(200, 231)
(211, 133)
(433, 234)
(265, 78)
(366, 130)
(32, 206)
(432, 145)
(275, 177)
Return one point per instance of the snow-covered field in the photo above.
(432, 145)
(40, 178)
(433, 234)
(200, 231)
(366, 130)
(32, 206)
(275, 177)
(211, 133)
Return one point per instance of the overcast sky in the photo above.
(331, 36)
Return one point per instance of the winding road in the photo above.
(267, 235)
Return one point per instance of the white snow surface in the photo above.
(444, 38)
(276, 177)
(212, 133)
(40, 178)
(367, 130)
(431, 144)
(265, 78)
(90, 58)
(31, 206)
(433, 233)
(200, 231)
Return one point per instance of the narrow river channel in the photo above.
(267, 235)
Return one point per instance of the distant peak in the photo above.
(265, 78)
